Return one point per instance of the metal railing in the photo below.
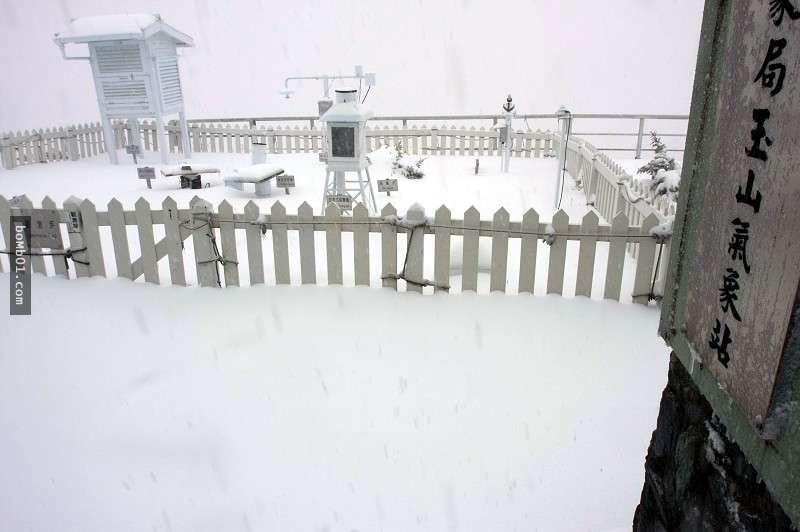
(579, 118)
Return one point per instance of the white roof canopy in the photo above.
(119, 27)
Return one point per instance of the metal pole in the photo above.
(564, 121)
(507, 151)
(639, 138)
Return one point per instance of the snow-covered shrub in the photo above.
(664, 171)
(405, 165)
(662, 160)
(666, 183)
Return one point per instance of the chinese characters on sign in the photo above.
(771, 75)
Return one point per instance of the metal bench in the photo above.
(190, 174)
(257, 174)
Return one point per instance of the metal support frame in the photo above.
(340, 185)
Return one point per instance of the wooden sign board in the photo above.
(284, 181)
(45, 229)
(344, 202)
(133, 149)
(147, 173)
(387, 185)
(736, 276)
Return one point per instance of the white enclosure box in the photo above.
(135, 67)
(345, 129)
(346, 151)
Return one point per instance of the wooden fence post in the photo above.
(499, 251)
(174, 241)
(36, 261)
(389, 248)
(558, 253)
(527, 259)
(204, 243)
(416, 248)
(119, 238)
(585, 275)
(333, 244)
(59, 261)
(227, 233)
(147, 242)
(91, 239)
(280, 243)
(361, 245)
(74, 229)
(642, 281)
(441, 268)
(308, 263)
(255, 253)
(471, 244)
(616, 257)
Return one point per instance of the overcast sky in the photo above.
(431, 57)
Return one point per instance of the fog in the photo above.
(431, 57)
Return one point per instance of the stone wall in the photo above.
(695, 477)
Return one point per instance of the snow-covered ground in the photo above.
(133, 407)
(449, 180)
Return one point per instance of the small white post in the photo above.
(508, 114)
(110, 138)
(186, 143)
(163, 142)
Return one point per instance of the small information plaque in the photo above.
(285, 182)
(147, 173)
(344, 202)
(387, 185)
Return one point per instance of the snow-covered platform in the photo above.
(449, 180)
(506, 413)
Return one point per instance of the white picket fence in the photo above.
(607, 186)
(416, 140)
(48, 145)
(225, 243)
(611, 191)
(77, 142)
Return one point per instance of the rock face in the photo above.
(696, 479)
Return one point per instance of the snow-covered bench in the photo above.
(257, 174)
(189, 174)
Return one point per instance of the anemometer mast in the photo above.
(367, 77)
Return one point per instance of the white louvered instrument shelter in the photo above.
(135, 66)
